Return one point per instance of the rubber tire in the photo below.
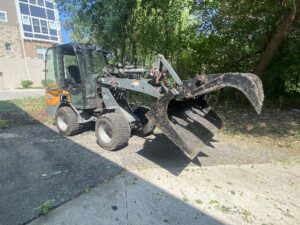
(120, 129)
(148, 129)
(71, 121)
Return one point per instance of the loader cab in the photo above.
(71, 71)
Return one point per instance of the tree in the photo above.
(277, 35)
(198, 36)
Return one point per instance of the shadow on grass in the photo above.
(37, 165)
(273, 123)
(16, 112)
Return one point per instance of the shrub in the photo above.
(26, 83)
(3, 123)
(43, 83)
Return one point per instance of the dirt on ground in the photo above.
(277, 128)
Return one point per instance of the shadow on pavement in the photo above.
(167, 155)
(37, 165)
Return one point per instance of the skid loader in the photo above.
(81, 87)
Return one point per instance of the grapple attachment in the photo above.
(183, 115)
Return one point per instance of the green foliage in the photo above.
(26, 83)
(206, 36)
(3, 123)
(43, 83)
(45, 207)
(23, 112)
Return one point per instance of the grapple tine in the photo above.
(248, 83)
(189, 124)
(159, 116)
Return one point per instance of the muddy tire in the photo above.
(148, 129)
(66, 121)
(112, 131)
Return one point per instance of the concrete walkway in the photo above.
(248, 194)
(20, 93)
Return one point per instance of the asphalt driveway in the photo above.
(38, 165)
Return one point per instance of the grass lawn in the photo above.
(278, 128)
(25, 111)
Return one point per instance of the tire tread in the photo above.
(121, 128)
(73, 126)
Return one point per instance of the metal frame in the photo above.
(170, 69)
(140, 85)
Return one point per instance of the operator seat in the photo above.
(74, 73)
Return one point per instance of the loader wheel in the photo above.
(112, 131)
(148, 129)
(66, 121)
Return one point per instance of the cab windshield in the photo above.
(96, 61)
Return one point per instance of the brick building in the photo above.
(27, 29)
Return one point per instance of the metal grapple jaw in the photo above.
(184, 116)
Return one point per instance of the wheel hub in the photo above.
(62, 123)
(105, 133)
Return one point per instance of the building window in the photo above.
(40, 26)
(44, 26)
(36, 25)
(3, 16)
(25, 20)
(37, 2)
(41, 2)
(8, 46)
(52, 25)
(32, 2)
(41, 52)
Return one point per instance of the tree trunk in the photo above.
(284, 23)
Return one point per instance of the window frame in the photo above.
(35, 2)
(47, 27)
(40, 25)
(43, 52)
(38, 3)
(23, 20)
(5, 16)
(54, 27)
(35, 25)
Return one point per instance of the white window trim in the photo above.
(43, 52)
(33, 25)
(47, 26)
(5, 15)
(24, 21)
(40, 26)
(52, 25)
(44, 6)
(42, 40)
